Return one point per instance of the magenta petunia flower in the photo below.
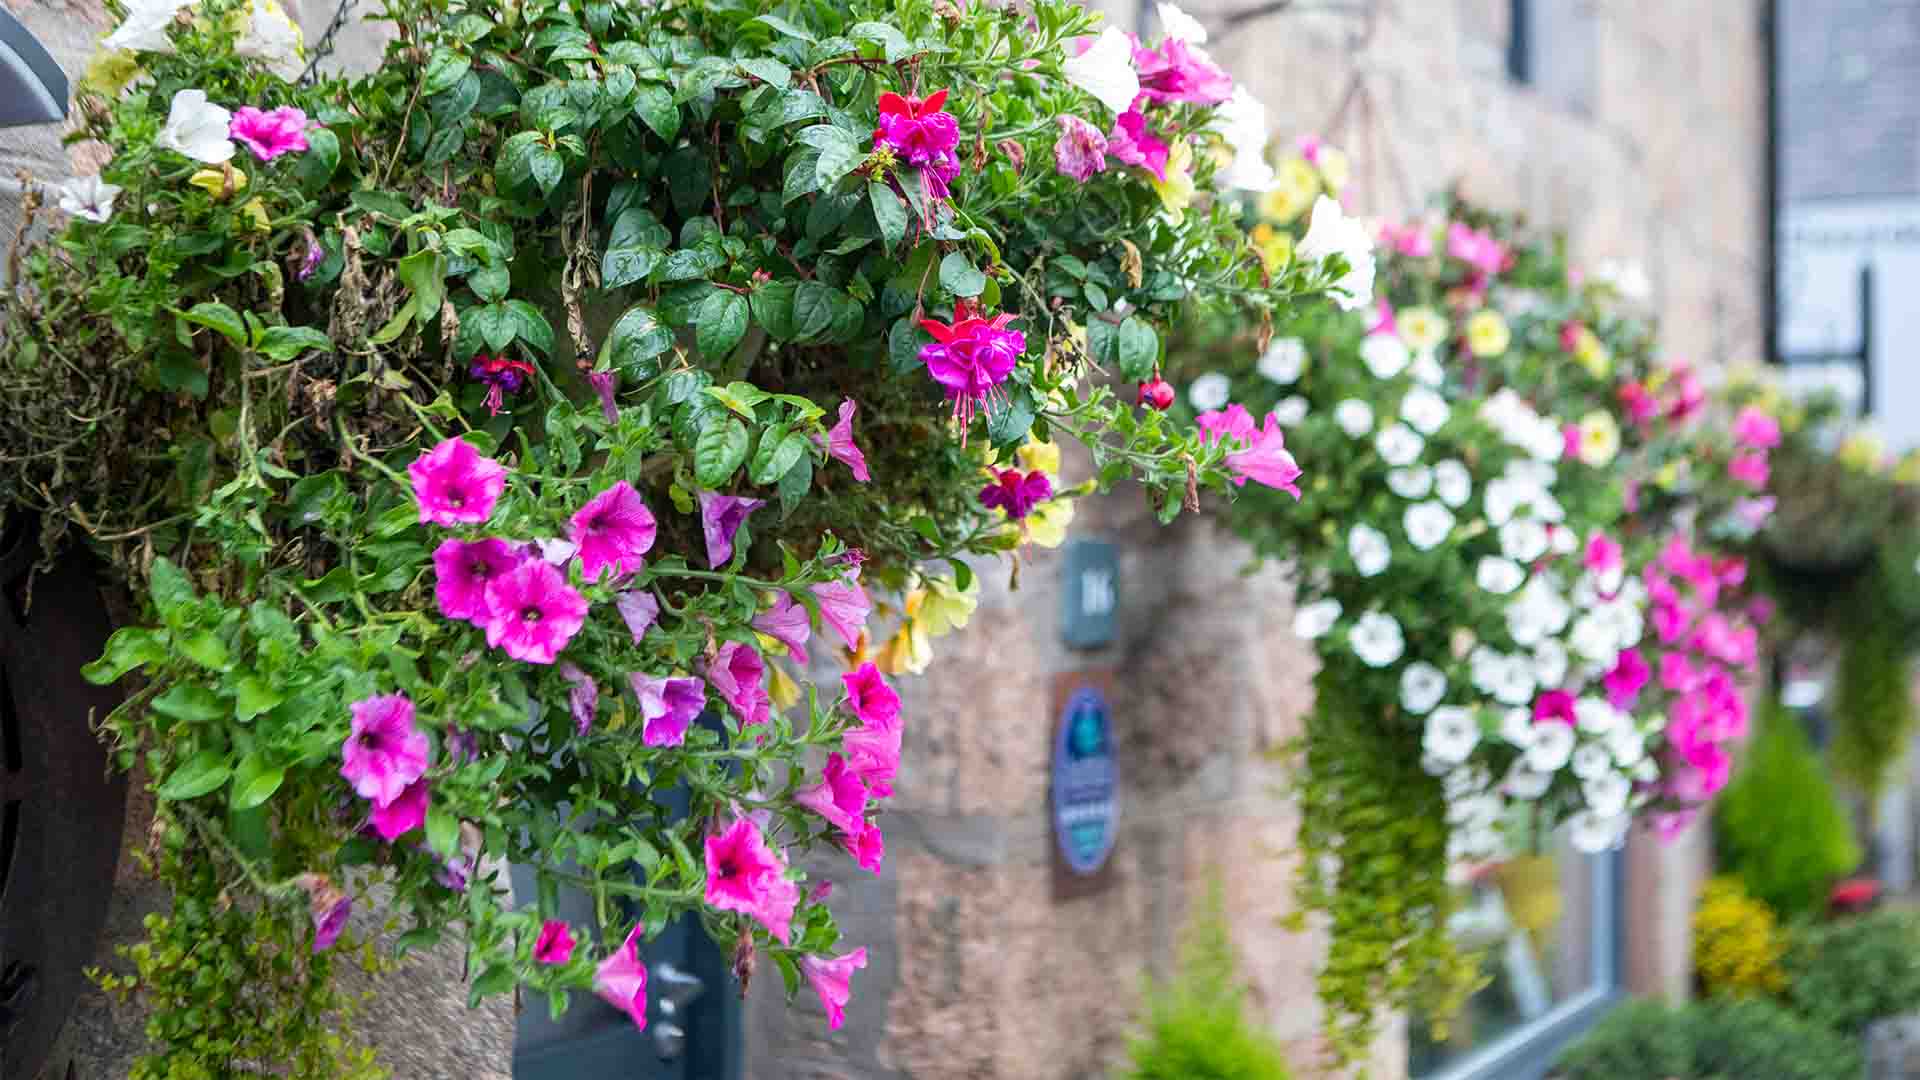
(621, 980)
(1081, 150)
(605, 383)
(583, 697)
(638, 609)
(1641, 405)
(868, 848)
(555, 943)
(787, 622)
(1233, 424)
(269, 134)
(721, 517)
(310, 261)
(614, 529)
(1749, 468)
(971, 358)
(532, 612)
(1628, 677)
(831, 979)
(1175, 72)
(875, 703)
(404, 814)
(738, 673)
(1266, 461)
(455, 484)
(845, 607)
(1754, 428)
(1015, 492)
(330, 908)
(1554, 705)
(1131, 143)
(668, 705)
(840, 797)
(1478, 248)
(462, 571)
(745, 875)
(1603, 554)
(385, 751)
(839, 443)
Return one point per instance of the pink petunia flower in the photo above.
(844, 606)
(1628, 677)
(455, 485)
(1177, 73)
(604, 384)
(1232, 424)
(1749, 468)
(583, 697)
(1080, 151)
(747, 876)
(555, 943)
(1690, 394)
(668, 706)
(1477, 248)
(720, 518)
(1670, 622)
(1603, 554)
(407, 812)
(868, 848)
(463, 569)
(1413, 239)
(269, 134)
(532, 612)
(840, 797)
(1383, 321)
(1755, 429)
(385, 751)
(839, 443)
(1015, 492)
(738, 673)
(621, 980)
(831, 980)
(614, 529)
(1131, 143)
(638, 609)
(1641, 406)
(971, 358)
(1266, 461)
(786, 621)
(1754, 512)
(1554, 705)
(874, 702)
(1678, 673)
(1570, 441)
(329, 908)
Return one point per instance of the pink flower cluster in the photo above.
(269, 133)
(921, 134)
(1414, 239)
(1703, 650)
(1477, 248)
(1173, 73)
(971, 357)
(1258, 453)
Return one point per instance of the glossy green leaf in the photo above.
(718, 452)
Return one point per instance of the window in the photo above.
(1551, 49)
(1519, 53)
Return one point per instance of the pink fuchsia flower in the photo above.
(269, 134)
(463, 569)
(867, 847)
(1266, 461)
(1131, 143)
(745, 875)
(668, 706)
(844, 606)
(1749, 468)
(638, 609)
(621, 980)
(1176, 73)
(971, 358)
(614, 529)
(1755, 429)
(1641, 405)
(840, 797)
(831, 979)
(786, 621)
(720, 518)
(738, 673)
(1628, 677)
(874, 702)
(1678, 673)
(917, 130)
(501, 376)
(555, 943)
(1233, 424)
(455, 485)
(1603, 555)
(407, 812)
(532, 612)
(1080, 151)
(385, 751)
(583, 697)
(840, 446)
(1554, 705)
(1015, 492)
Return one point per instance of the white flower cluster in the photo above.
(1519, 424)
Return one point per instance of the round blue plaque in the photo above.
(1086, 782)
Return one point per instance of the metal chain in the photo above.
(323, 48)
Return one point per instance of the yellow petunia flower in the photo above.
(907, 652)
(945, 608)
(782, 689)
(1037, 456)
(1046, 524)
(1421, 328)
(1177, 190)
(1334, 168)
(214, 181)
(1670, 475)
(1862, 450)
(1487, 334)
(256, 212)
(1592, 354)
(1599, 438)
(1274, 245)
(109, 72)
(1296, 184)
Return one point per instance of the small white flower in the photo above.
(1552, 745)
(1370, 550)
(145, 27)
(1421, 687)
(1315, 619)
(1607, 794)
(273, 37)
(1523, 540)
(1526, 784)
(1502, 497)
(1548, 509)
(1427, 371)
(1354, 416)
(1428, 525)
(1485, 665)
(1384, 354)
(1284, 361)
(1592, 833)
(1537, 612)
(1627, 276)
(1411, 483)
(1563, 540)
(1376, 639)
(1106, 70)
(1593, 639)
(1179, 24)
(1452, 483)
(1331, 232)
(1242, 123)
(197, 128)
(1451, 734)
(1513, 681)
(1544, 440)
(1517, 727)
(1465, 781)
(1433, 766)
(1425, 411)
(1499, 576)
(1646, 770)
(1398, 445)
(1623, 620)
(88, 197)
(1210, 391)
(1597, 717)
(1550, 662)
(1290, 411)
(1591, 760)
(1475, 814)
(1626, 746)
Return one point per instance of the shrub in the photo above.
(1729, 1038)
(1736, 944)
(1196, 1028)
(1779, 826)
(1873, 703)
(1847, 974)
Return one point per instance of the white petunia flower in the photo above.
(88, 197)
(145, 27)
(1210, 391)
(1376, 639)
(1593, 833)
(1646, 770)
(1370, 550)
(1465, 782)
(1624, 620)
(1426, 370)
(1398, 445)
(1499, 576)
(1423, 410)
(1411, 483)
(1537, 612)
(1315, 619)
(1428, 525)
(1513, 681)
(1626, 745)
(1593, 639)
(273, 37)
(1452, 483)
(1421, 687)
(1284, 361)
(1597, 717)
(1384, 354)
(1591, 760)
(1552, 746)
(1544, 440)
(1627, 276)
(1563, 540)
(1502, 497)
(1484, 664)
(1475, 814)
(1291, 411)
(1242, 123)
(1106, 70)
(1523, 540)
(1517, 727)
(197, 128)
(1354, 416)
(1607, 794)
(1550, 662)
(1526, 784)
(1179, 24)
(1331, 232)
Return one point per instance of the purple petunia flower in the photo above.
(787, 622)
(668, 706)
(621, 980)
(721, 517)
(738, 673)
(844, 606)
(407, 812)
(639, 609)
(1081, 150)
(555, 943)
(839, 443)
(840, 797)
(583, 698)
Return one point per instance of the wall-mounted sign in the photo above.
(1085, 794)
(1092, 595)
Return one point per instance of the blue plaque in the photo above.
(1086, 782)
(1092, 595)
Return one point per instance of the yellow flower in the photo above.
(1274, 245)
(906, 652)
(944, 608)
(1670, 475)
(1599, 438)
(782, 689)
(214, 181)
(1421, 328)
(256, 212)
(1908, 471)
(1295, 185)
(1047, 523)
(1333, 167)
(1176, 191)
(1862, 450)
(1487, 334)
(1037, 456)
(1593, 355)
(109, 72)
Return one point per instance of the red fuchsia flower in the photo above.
(747, 876)
(839, 443)
(583, 697)
(621, 980)
(720, 518)
(738, 673)
(1266, 461)
(917, 130)
(502, 376)
(269, 134)
(1851, 896)
(1015, 492)
(1554, 705)
(868, 848)
(875, 703)
(1131, 143)
(1603, 555)
(1628, 677)
(844, 606)
(532, 612)
(328, 907)
(604, 383)
(463, 569)
(455, 485)
(1176, 73)
(1678, 673)
(1478, 249)
(668, 706)
(638, 609)
(407, 812)
(1755, 429)
(831, 980)
(1233, 424)
(1749, 468)
(840, 797)
(384, 751)
(1156, 393)
(971, 358)
(614, 529)
(1080, 151)
(786, 621)
(555, 943)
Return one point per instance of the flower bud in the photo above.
(1155, 393)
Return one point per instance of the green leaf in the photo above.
(283, 343)
(255, 781)
(927, 528)
(1137, 349)
(889, 213)
(893, 43)
(384, 203)
(397, 325)
(636, 343)
(655, 108)
(721, 324)
(802, 175)
(200, 774)
(206, 649)
(318, 164)
(773, 308)
(444, 68)
(495, 324)
(718, 452)
(776, 456)
(546, 168)
(496, 979)
(788, 28)
(129, 647)
(1008, 424)
(443, 831)
(958, 276)
(252, 696)
(425, 937)
(840, 152)
(625, 266)
(772, 72)
(741, 397)
(215, 315)
(531, 326)
(425, 272)
(814, 306)
(962, 574)
(795, 484)
(171, 590)
(190, 702)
